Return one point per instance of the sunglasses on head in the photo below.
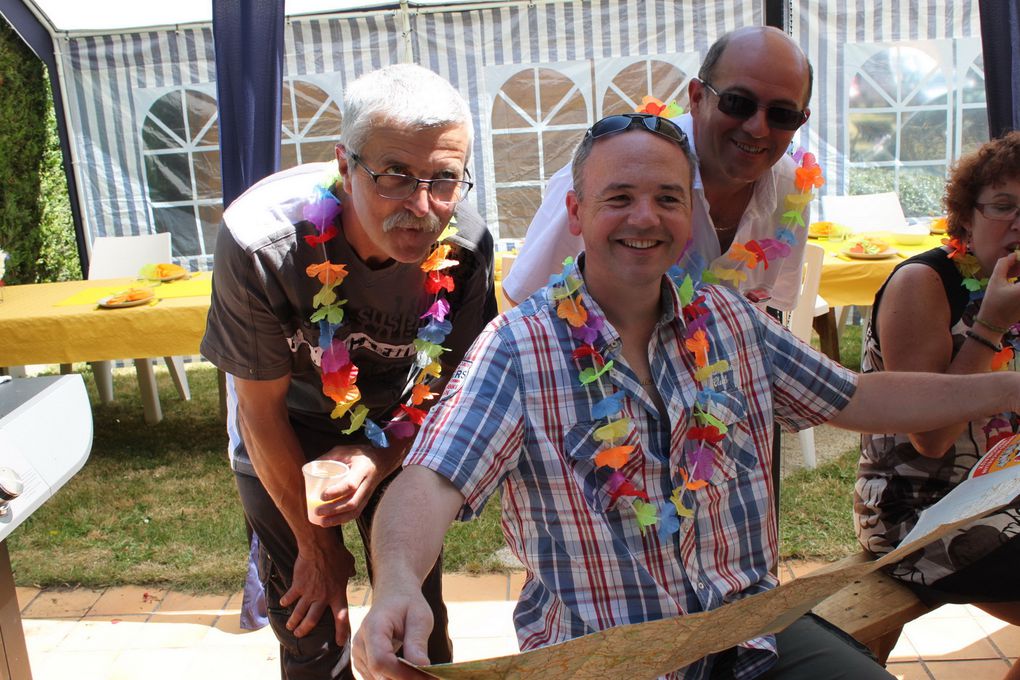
(739, 106)
(625, 121)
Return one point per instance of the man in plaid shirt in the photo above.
(515, 416)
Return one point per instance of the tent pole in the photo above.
(1000, 43)
(405, 28)
(248, 38)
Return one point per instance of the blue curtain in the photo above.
(248, 40)
(1000, 42)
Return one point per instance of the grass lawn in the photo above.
(156, 504)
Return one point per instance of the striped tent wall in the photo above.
(826, 30)
(468, 46)
(112, 80)
(106, 77)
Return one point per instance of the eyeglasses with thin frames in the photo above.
(741, 107)
(397, 187)
(625, 121)
(1000, 212)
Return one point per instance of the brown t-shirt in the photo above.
(259, 328)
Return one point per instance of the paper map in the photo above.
(651, 649)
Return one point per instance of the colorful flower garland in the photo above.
(749, 254)
(707, 431)
(339, 372)
(970, 269)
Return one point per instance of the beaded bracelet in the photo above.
(989, 326)
(984, 341)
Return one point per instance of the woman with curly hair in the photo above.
(953, 309)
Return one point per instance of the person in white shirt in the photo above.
(748, 101)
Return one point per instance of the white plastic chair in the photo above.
(808, 307)
(120, 256)
(865, 212)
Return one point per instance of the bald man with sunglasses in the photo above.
(748, 101)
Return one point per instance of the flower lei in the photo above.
(707, 430)
(339, 372)
(970, 269)
(750, 254)
(754, 252)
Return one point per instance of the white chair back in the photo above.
(865, 212)
(808, 303)
(118, 256)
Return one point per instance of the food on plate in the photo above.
(825, 229)
(938, 226)
(868, 246)
(163, 272)
(127, 296)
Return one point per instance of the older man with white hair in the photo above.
(342, 294)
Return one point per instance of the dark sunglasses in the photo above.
(661, 126)
(739, 106)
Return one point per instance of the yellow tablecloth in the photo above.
(855, 282)
(197, 284)
(52, 323)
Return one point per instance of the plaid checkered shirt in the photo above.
(515, 416)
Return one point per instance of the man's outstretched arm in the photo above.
(917, 402)
(407, 535)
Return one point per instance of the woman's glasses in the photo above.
(625, 121)
(1000, 212)
(739, 106)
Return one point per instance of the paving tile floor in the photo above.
(133, 633)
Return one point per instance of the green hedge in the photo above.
(920, 193)
(22, 141)
(35, 219)
(58, 258)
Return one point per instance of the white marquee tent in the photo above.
(899, 93)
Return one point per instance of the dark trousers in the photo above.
(813, 649)
(316, 655)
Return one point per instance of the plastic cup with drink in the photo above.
(319, 475)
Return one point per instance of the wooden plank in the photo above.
(13, 651)
(871, 607)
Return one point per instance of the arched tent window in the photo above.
(912, 110)
(180, 138)
(650, 77)
(973, 106)
(311, 124)
(537, 118)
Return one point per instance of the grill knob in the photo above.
(10, 488)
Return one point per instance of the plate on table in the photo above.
(128, 298)
(888, 252)
(826, 230)
(869, 249)
(163, 272)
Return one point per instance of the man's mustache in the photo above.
(405, 220)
